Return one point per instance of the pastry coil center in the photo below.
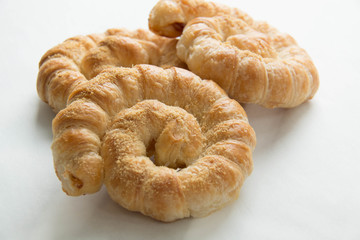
(151, 128)
(116, 121)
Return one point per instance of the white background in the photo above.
(306, 178)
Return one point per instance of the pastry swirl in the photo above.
(266, 68)
(80, 58)
(201, 140)
(252, 61)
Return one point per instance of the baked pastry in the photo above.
(201, 140)
(80, 58)
(269, 68)
(252, 61)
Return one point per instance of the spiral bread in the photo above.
(80, 58)
(250, 60)
(200, 138)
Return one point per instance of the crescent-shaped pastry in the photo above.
(266, 68)
(80, 58)
(201, 141)
(252, 61)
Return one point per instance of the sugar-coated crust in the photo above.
(80, 58)
(201, 140)
(252, 61)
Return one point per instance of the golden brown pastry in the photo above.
(201, 141)
(252, 61)
(266, 68)
(80, 58)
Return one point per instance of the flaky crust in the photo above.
(80, 58)
(252, 61)
(109, 130)
(266, 68)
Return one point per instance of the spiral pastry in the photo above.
(113, 124)
(252, 67)
(80, 58)
(252, 61)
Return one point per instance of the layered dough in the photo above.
(266, 68)
(252, 61)
(201, 141)
(80, 58)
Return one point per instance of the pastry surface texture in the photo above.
(201, 141)
(252, 61)
(80, 58)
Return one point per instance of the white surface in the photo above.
(305, 184)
